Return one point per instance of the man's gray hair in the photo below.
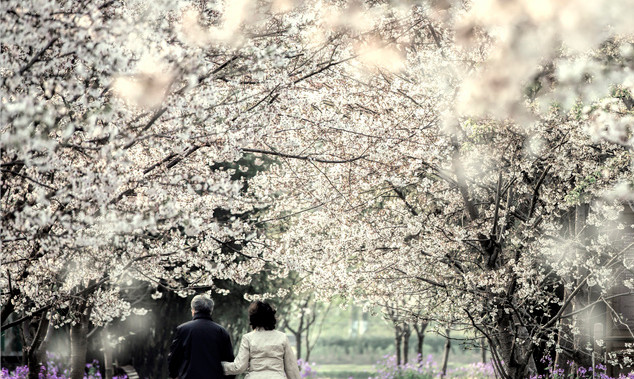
(202, 303)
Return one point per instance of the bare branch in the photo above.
(329, 65)
(301, 157)
(497, 204)
(531, 208)
(37, 56)
(462, 183)
(401, 196)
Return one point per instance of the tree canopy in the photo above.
(474, 157)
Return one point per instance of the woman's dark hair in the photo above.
(262, 315)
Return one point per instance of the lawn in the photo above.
(344, 371)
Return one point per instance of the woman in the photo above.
(264, 352)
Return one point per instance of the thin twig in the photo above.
(37, 56)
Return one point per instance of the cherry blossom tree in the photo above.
(472, 171)
(108, 168)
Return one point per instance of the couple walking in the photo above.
(202, 349)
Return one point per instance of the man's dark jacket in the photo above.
(198, 348)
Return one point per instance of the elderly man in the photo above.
(199, 345)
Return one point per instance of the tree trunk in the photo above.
(298, 335)
(419, 348)
(307, 343)
(574, 344)
(34, 333)
(407, 332)
(78, 347)
(483, 350)
(33, 365)
(107, 354)
(514, 348)
(445, 356)
(398, 337)
(420, 333)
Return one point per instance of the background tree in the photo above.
(304, 318)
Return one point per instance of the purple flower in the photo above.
(306, 370)
(53, 370)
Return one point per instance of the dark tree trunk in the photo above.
(34, 365)
(307, 343)
(445, 356)
(514, 347)
(107, 354)
(33, 335)
(420, 334)
(419, 348)
(398, 338)
(298, 335)
(483, 350)
(78, 347)
(298, 343)
(407, 332)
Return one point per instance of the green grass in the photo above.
(345, 371)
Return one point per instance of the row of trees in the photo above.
(471, 158)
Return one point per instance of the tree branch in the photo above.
(594, 303)
(154, 118)
(498, 195)
(559, 314)
(42, 328)
(401, 196)
(462, 184)
(260, 101)
(37, 56)
(329, 65)
(531, 208)
(301, 157)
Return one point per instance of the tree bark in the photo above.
(298, 335)
(398, 337)
(107, 354)
(445, 356)
(584, 297)
(78, 347)
(307, 342)
(515, 348)
(33, 365)
(420, 333)
(483, 350)
(33, 335)
(407, 332)
(574, 344)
